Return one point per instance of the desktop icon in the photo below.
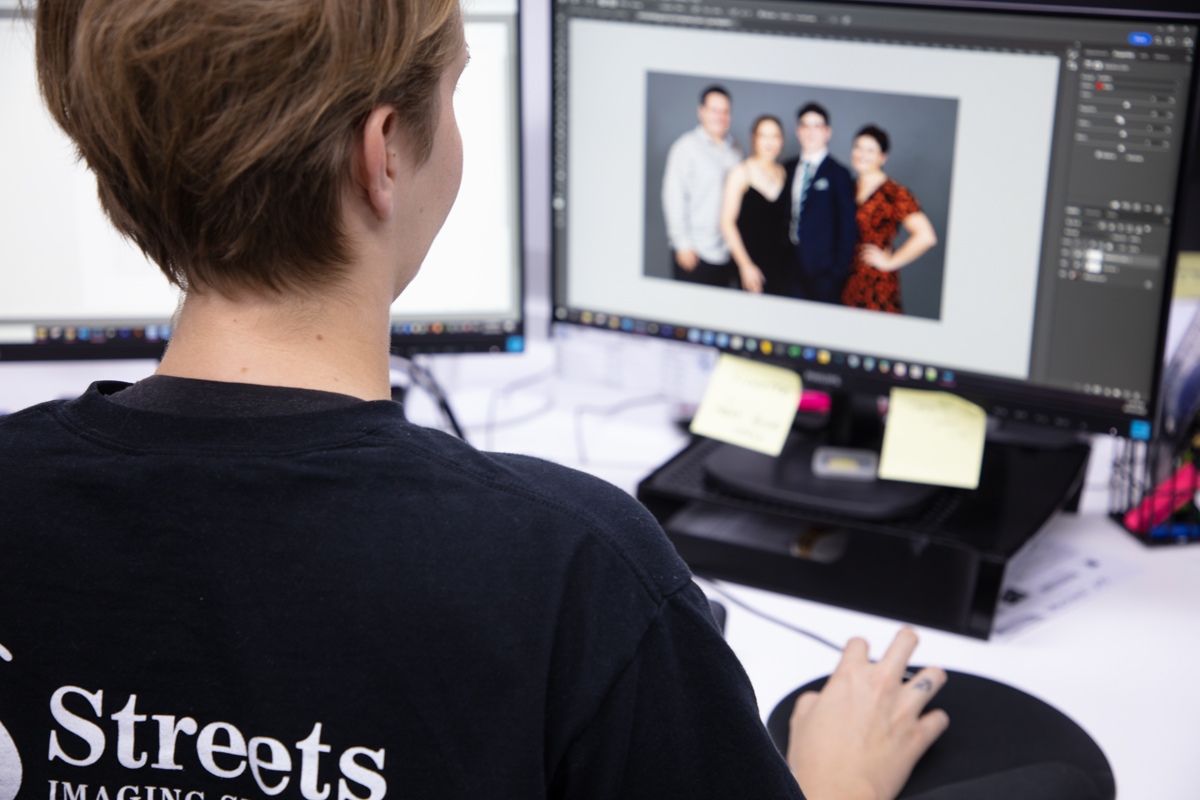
(437, 327)
(586, 318)
(708, 337)
(722, 340)
(852, 361)
(667, 330)
(735, 343)
(69, 335)
(869, 364)
(560, 313)
(639, 327)
(614, 323)
(693, 335)
(626, 324)
(652, 328)
(823, 356)
(751, 345)
(56, 332)
(794, 351)
(85, 333)
(900, 370)
(765, 347)
(809, 354)
(884, 365)
(930, 374)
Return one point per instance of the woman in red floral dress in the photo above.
(883, 205)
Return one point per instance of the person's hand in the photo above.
(687, 259)
(753, 279)
(876, 257)
(859, 738)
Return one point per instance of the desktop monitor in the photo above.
(1043, 148)
(72, 288)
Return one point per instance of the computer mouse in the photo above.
(1001, 743)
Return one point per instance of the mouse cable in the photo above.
(716, 587)
(425, 379)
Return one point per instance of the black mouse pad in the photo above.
(994, 729)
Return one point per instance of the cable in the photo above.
(497, 395)
(716, 587)
(422, 376)
(606, 411)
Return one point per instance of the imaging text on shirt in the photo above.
(221, 748)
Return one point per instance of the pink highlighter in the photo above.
(1167, 498)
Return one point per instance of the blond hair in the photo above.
(220, 131)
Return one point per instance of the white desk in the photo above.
(1119, 663)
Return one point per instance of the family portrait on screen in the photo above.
(827, 195)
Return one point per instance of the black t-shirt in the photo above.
(320, 600)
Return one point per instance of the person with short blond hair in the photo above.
(248, 575)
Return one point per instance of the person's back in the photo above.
(341, 599)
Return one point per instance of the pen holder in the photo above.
(1153, 490)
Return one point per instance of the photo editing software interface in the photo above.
(1004, 230)
(72, 287)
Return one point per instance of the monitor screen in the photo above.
(879, 195)
(71, 287)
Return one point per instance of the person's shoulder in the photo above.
(898, 192)
(27, 420)
(835, 168)
(581, 510)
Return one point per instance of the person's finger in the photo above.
(855, 652)
(900, 650)
(929, 727)
(804, 704)
(919, 690)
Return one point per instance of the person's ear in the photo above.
(377, 161)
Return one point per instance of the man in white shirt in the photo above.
(693, 185)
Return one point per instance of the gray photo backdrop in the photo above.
(921, 129)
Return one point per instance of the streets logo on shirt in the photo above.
(222, 750)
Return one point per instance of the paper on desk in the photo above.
(1049, 578)
(749, 404)
(932, 437)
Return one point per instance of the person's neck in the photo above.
(335, 342)
(816, 155)
(715, 139)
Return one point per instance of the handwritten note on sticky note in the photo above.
(749, 404)
(933, 437)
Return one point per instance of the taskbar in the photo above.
(63, 341)
(457, 336)
(1092, 407)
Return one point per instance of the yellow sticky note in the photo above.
(749, 404)
(933, 437)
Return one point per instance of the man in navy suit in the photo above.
(822, 228)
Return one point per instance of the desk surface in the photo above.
(1118, 662)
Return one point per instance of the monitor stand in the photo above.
(828, 464)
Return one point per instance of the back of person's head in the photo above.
(221, 131)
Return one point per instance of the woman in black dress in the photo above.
(754, 212)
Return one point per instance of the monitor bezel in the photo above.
(1004, 398)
